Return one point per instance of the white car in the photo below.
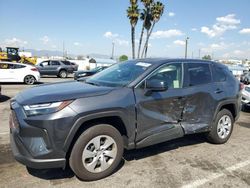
(245, 100)
(17, 72)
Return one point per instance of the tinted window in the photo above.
(66, 62)
(170, 73)
(199, 73)
(19, 66)
(53, 63)
(218, 74)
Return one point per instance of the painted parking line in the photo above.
(214, 176)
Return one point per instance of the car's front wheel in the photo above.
(97, 152)
(222, 127)
(29, 79)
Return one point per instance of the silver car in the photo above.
(245, 97)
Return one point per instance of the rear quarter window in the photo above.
(219, 74)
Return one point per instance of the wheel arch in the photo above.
(29, 75)
(229, 105)
(84, 123)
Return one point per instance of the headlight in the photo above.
(45, 108)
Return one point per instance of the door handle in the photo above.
(217, 91)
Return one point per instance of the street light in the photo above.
(186, 47)
(113, 49)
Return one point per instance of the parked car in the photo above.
(17, 72)
(75, 66)
(246, 78)
(54, 67)
(245, 97)
(129, 105)
(242, 77)
(81, 74)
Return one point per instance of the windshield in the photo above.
(120, 74)
(247, 89)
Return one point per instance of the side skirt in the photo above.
(163, 136)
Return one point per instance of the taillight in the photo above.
(241, 86)
(34, 69)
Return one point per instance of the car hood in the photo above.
(60, 91)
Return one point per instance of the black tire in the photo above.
(213, 135)
(63, 74)
(84, 141)
(29, 80)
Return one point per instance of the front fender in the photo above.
(129, 126)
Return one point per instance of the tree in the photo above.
(123, 58)
(145, 16)
(133, 15)
(206, 57)
(157, 10)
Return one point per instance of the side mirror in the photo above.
(156, 85)
(41, 65)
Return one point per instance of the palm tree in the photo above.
(145, 17)
(133, 15)
(156, 13)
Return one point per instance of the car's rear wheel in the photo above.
(29, 79)
(222, 128)
(63, 74)
(97, 152)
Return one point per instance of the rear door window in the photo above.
(19, 66)
(66, 62)
(54, 63)
(198, 74)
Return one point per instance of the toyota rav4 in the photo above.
(128, 105)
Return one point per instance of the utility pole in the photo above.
(186, 46)
(63, 50)
(113, 49)
(199, 53)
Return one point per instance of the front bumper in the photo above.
(37, 142)
(23, 156)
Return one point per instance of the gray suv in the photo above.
(55, 67)
(129, 105)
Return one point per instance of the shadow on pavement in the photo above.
(4, 98)
(52, 174)
(244, 124)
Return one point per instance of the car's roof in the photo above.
(166, 60)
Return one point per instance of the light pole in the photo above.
(113, 49)
(186, 47)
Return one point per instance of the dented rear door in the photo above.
(199, 99)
